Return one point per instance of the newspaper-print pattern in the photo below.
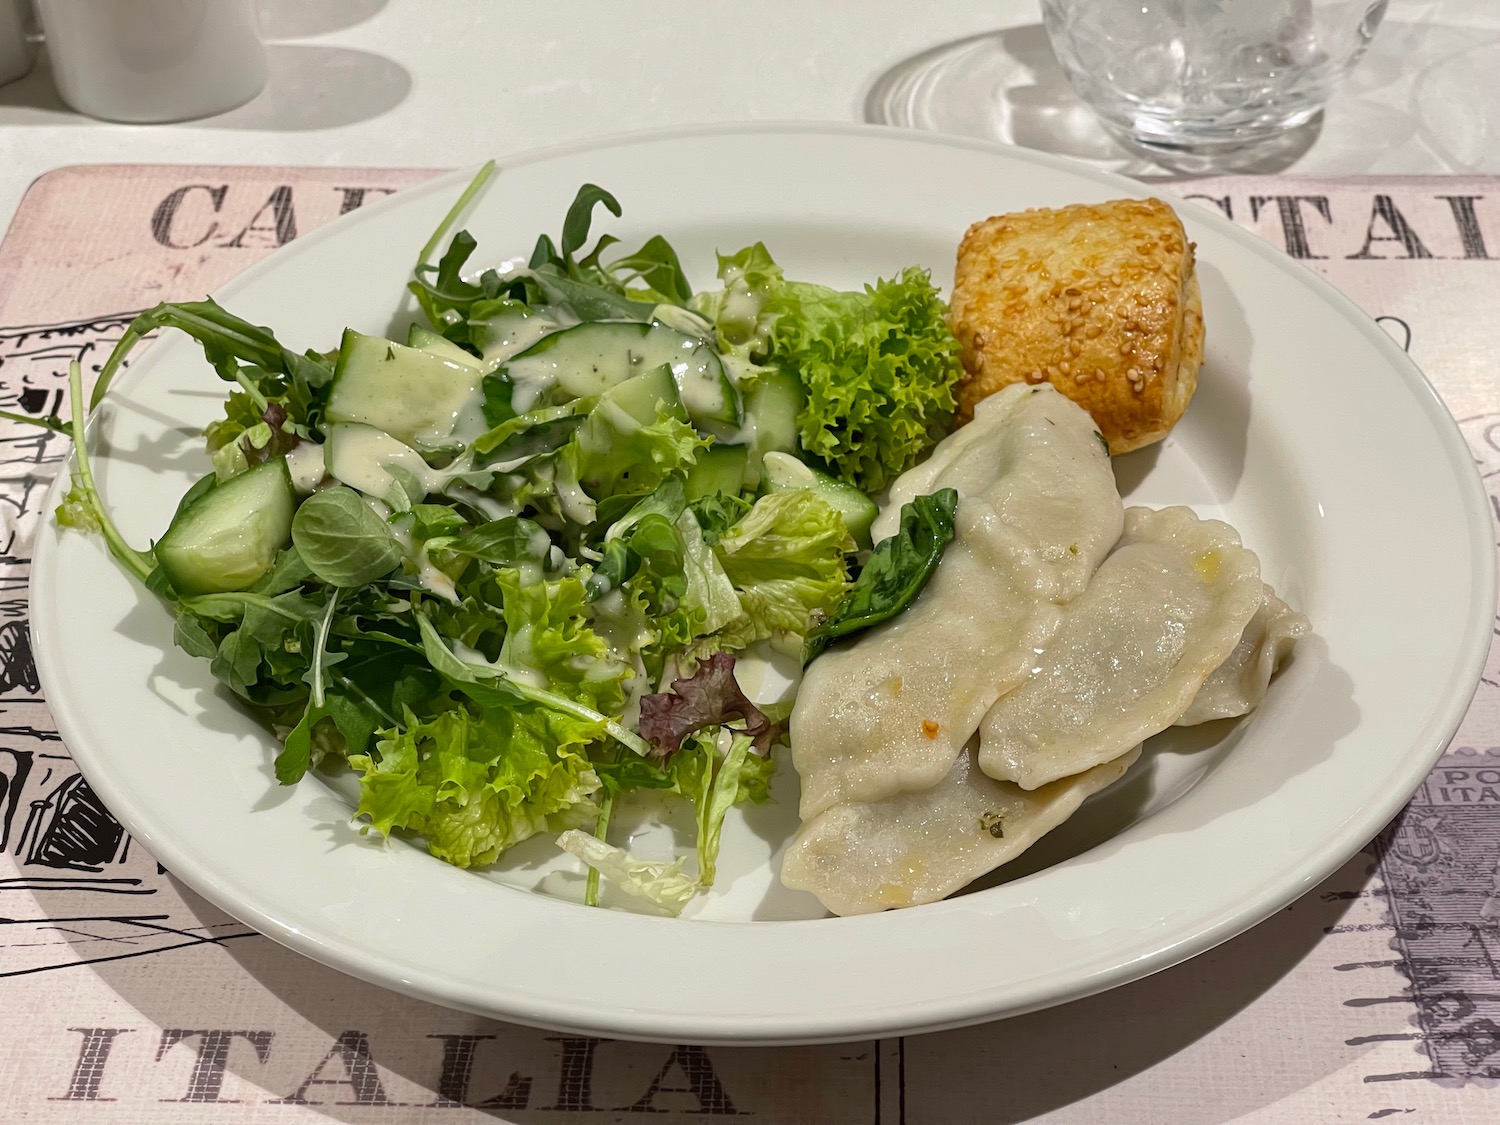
(124, 997)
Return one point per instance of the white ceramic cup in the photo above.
(154, 60)
(16, 53)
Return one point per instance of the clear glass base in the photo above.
(1261, 148)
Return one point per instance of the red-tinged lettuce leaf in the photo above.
(710, 697)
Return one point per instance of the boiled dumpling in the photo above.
(1165, 609)
(1237, 686)
(1042, 467)
(913, 848)
(891, 710)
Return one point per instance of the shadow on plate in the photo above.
(1180, 758)
(1216, 425)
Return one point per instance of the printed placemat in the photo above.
(124, 997)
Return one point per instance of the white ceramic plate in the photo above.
(1311, 432)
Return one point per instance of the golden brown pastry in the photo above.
(1100, 300)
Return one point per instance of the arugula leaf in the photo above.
(580, 216)
(657, 265)
(589, 300)
(226, 339)
(897, 572)
(435, 521)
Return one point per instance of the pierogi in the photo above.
(1163, 611)
(1058, 633)
(891, 710)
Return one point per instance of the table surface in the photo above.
(410, 84)
(399, 83)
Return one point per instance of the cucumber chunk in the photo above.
(426, 340)
(771, 409)
(719, 468)
(784, 473)
(228, 536)
(419, 398)
(604, 439)
(590, 358)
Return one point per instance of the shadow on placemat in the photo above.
(347, 1047)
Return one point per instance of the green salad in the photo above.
(502, 569)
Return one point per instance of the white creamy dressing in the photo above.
(492, 508)
(741, 303)
(683, 320)
(740, 314)
(304, 463)
(433, 580)
(362, 457)
(521, 675)
(513, 331)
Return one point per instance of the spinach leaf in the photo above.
(898, 569)
(341, 540)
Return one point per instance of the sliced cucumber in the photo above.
(771, 409)
(643, 396)
(426, 340)
(784, 473)
(590, 358)
(417, 397)
(719, 468)
(228, 536)
(621, 411)
(373, 462)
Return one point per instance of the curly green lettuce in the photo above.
(878, 366)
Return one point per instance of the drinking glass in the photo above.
(1207, 77)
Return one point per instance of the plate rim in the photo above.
(648, 1025)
